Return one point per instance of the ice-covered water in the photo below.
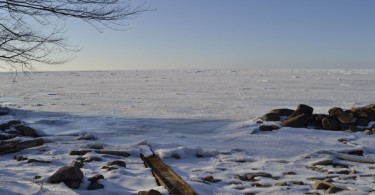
(208, 94)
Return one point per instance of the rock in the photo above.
(79, 152)
(268, 127)
(239, 177)
(302, 109)
(327, 186)
(367, 112)
(117, 162)
(210, 179)
(362, 122)
(297, 183)
(71, 176)
(316, 120)
(329, 123)
(9, 124)
(335, 111)
(349, 127)
(281, 184)
(77, 164)
(296, 121)
(36, 177)
(270, 117)
(4, 111)
(282, 111)
(109, 168)
(26, 131)
(86, 136)
(367, 132)
(370, 106)
(150, 192)
(38, 161)
(312, 193)
(346, 118)
(4, 126)
(95, 178)
(95, 186)
(289, 173)
(20, 158)
(252, 176)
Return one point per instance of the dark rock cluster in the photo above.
(337, 119)
(15, 128)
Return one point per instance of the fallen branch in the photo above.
(15, 147)
(166, 177)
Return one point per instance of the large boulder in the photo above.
(330, 123)
(335, 111)
(296, 121)
(283, 111)
(302, 109)
(271, 117)
(367, 112)
(71, 176)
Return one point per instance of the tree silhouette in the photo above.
(32, 30)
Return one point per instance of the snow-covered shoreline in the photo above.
(212, 113)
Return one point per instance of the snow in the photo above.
(200, 122)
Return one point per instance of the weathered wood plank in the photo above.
(166, 177)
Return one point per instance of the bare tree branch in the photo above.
(30, 30)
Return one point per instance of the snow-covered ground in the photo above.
(185, 113)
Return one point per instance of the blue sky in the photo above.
(239, 34)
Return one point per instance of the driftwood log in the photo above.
(13, 147)
(166, 177)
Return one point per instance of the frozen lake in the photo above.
(189, 94)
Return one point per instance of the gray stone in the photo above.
(296, 121)
(95, 178)
(77, 164)
(283, 111)
(95, 186)
(316, 120)
(335, 111)
(302, 109)
(268, 127)
(117, 162)
(270, 117)
(71, 176)
(252, 176)
(150, 192)
(327, 186)
(330, 124)
(26, 131)
(346, 118)
(281, 184)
